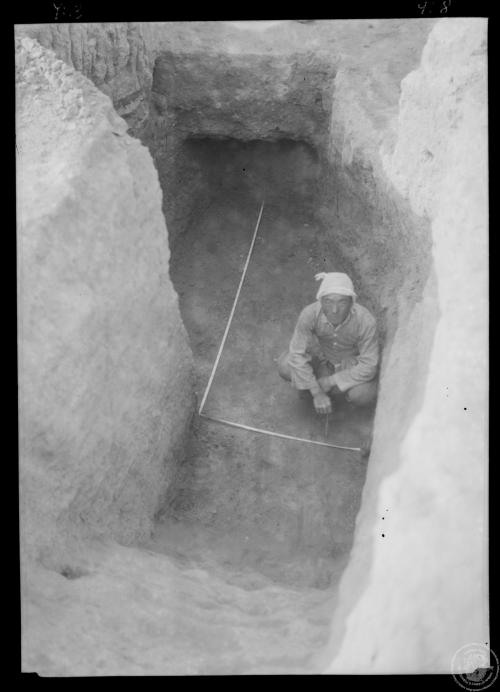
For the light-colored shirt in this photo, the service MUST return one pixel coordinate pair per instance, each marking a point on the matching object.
(352, 347)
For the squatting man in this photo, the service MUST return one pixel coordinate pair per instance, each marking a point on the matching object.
(334, 349)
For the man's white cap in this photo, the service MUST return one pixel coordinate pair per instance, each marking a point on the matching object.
(334, 282)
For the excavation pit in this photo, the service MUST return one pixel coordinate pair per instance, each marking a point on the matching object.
(290, 505)
(207, 549)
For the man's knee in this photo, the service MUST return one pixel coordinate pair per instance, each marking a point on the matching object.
(283, 367)
(362, 394)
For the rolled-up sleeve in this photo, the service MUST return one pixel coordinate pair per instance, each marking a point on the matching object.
(364, 367)
(299, 355)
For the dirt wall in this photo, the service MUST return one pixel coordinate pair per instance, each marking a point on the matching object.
(242, 97)
(117, 57)
(246, 80)
(104, 365)
(415, 588)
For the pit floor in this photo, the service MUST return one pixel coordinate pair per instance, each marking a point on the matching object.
(272, 517)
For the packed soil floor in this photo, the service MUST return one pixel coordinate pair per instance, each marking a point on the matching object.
(273, 518)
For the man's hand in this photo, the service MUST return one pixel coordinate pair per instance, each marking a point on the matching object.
(325, 383)
(322, 403)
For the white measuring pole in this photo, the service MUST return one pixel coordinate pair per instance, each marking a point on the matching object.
(283, 436)
(232, 313)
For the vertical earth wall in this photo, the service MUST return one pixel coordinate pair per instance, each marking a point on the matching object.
(415, 588)
(104, 364)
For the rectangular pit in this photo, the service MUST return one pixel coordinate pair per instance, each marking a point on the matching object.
(290, 506)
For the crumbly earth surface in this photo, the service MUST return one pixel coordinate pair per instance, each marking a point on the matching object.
(134, 611)
(104, 364)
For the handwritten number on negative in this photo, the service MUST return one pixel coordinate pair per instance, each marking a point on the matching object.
(445, 4)
(67, 10)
